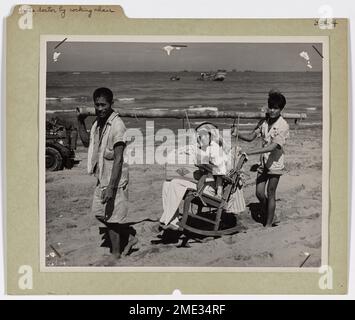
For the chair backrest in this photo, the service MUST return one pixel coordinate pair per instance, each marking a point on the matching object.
(242, 159)
(234, 174)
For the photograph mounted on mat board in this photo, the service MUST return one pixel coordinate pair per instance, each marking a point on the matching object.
(167, 155)
(263, 105)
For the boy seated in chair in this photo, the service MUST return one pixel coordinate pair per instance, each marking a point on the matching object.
(209, 155)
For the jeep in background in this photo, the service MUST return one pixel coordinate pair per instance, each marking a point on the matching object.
(60, 145)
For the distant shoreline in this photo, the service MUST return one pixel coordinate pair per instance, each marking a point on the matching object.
(174, 71)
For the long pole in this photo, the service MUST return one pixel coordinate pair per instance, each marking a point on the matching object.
(191, 113)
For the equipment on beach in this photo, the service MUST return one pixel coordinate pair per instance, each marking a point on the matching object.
(60, 146)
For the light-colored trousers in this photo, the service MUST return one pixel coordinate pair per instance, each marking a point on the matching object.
(174, 191)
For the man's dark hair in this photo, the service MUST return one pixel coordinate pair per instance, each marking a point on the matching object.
(276, 99)
(103, 92)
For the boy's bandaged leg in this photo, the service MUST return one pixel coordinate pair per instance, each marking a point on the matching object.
(236, 203)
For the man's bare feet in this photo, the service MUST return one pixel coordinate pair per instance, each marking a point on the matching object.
(109, 261)
(116, 255)
(133, 241)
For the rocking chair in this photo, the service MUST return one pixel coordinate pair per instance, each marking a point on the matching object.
(203, 213)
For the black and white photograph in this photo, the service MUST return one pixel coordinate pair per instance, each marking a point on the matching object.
(184, 152)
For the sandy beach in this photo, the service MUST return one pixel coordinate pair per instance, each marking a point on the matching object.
(73, 238)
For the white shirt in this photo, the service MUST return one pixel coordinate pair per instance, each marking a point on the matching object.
(101, 150)
(214, 154)
(278, 133)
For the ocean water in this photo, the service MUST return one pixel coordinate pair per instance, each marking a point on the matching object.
(241, 91)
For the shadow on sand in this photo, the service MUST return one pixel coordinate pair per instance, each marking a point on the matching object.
(256, 212)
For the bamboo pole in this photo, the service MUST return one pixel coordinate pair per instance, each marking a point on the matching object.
(192, 113)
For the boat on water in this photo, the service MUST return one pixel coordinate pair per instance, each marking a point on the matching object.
(126, 100)
(220, 75)
(174, 78)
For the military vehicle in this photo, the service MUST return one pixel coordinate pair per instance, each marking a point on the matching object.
(60, 145)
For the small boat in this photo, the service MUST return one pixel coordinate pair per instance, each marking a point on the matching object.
(126, 100)
(174, 78)
(220, 75)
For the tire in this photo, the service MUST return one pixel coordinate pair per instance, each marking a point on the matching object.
(69, 164)
(54, 160)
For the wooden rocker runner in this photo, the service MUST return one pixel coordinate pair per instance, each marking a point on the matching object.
(203, 213)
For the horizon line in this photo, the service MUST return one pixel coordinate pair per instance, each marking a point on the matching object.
(187, 71)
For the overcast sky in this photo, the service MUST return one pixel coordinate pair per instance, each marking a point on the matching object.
(119, 56)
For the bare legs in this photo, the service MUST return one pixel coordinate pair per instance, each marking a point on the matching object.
(268, 202)
(271, 195)
(115, 242)
(117, 233)
(132, 240)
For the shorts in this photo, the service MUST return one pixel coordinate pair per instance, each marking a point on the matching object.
(263, 170)
(113, 211)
